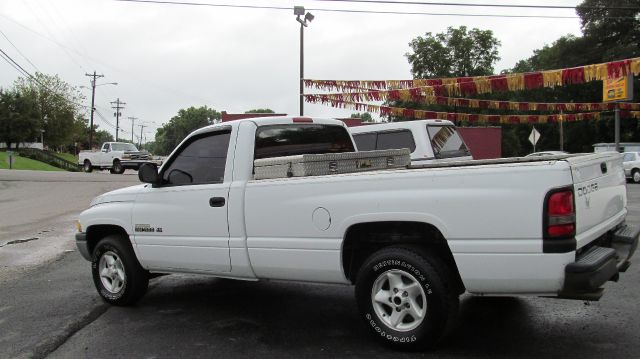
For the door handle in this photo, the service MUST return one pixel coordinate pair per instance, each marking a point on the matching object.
(216, 201)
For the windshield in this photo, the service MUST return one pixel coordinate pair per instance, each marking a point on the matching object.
(446, 142)
(129, 147)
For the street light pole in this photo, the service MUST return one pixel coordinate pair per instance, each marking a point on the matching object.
(304, 22)
(301, 69)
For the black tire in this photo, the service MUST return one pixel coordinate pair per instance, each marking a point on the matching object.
(635, 176)
(127, 290)
(86, 166)
(439, 304)
(117, 168)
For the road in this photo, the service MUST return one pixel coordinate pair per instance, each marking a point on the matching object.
(52, 310)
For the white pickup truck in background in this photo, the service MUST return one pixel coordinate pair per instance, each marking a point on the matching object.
(114, 156)
(631, 164)
(430, 141)
(412, 240)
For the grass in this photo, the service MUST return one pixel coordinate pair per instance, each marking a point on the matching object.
(67, 156)
(22, 163)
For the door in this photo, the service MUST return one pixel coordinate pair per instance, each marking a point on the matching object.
(182, 224)
(104, 155)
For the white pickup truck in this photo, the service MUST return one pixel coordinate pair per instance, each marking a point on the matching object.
(115, 156)
(411, 240)
(631, 164)
(430, 141)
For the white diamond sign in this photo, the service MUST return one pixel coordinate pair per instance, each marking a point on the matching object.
(534, 136)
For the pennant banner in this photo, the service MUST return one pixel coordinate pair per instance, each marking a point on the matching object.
(471, 118)
(486, 84)
(417, 96)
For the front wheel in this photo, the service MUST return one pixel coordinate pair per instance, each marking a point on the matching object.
(635, 176)
(118, 168)
(117, 274)
(405, 301)
(86, 166)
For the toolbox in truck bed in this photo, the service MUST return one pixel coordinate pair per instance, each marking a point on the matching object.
(330, 163)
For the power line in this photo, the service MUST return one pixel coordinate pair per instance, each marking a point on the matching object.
(145, 83)
(21, 69)
(386, 2)
(346, 10)
(20, 52)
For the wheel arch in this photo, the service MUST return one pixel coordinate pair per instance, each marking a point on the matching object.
(97, 232)
(363, 239)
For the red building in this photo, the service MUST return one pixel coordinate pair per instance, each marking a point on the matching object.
(483, 142)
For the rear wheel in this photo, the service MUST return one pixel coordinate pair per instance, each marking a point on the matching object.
(405, 298)
(117, 274)
(635, 176)
(86, 166)
(117, 168)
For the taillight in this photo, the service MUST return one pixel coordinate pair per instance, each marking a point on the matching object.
(302, 120)
(560, 214)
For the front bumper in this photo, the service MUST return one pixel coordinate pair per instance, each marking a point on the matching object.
(599, 264)
(135, 164)
(83, 246)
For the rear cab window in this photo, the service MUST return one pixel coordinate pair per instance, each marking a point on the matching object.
(446, 142)
(385, 140)
(298, 139)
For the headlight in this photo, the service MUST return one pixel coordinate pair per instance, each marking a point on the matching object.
(78, 226)
(126, 157)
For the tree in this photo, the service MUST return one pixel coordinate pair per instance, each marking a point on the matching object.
(102, 136)
(457, 52)
(187, 120)
(365, 116)
(18, 117)
(260, 110)
(56, 103)
(612, 26)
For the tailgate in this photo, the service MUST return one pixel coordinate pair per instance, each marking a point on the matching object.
(600, 194)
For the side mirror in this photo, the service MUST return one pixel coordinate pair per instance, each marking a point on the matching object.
(105, 150)
(148, 173)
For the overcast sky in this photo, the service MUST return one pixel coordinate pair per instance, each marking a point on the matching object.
(168, 57)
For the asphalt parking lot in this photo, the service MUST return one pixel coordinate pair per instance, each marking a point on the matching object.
(52, 310)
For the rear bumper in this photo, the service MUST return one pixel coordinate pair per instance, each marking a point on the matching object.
(599, 264)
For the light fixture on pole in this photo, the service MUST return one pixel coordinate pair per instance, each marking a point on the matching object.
(304, 22)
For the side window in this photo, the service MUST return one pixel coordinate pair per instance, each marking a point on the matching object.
(105, 147)
(365, 141)
(201, 160)
(395, 140)
(628, 157)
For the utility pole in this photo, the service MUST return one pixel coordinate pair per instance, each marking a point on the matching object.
(94, 76)
(117, 107)
(617, 127)
(133, 119)
(561, 131)
(141, 127)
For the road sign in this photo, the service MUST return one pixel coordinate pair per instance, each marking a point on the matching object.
(619, 89)
(534, 136)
